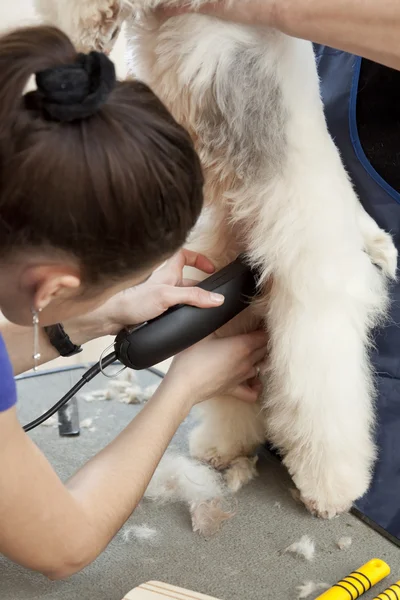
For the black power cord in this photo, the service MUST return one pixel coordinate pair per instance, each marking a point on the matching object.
(86, 377)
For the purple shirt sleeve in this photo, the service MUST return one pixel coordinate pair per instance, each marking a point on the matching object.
(8, 391)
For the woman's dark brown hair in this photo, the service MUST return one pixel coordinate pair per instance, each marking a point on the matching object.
(118, 190)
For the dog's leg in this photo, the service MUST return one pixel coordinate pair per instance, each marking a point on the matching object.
(325, 298)
(229, 431)
(227, 438)
(319, 404)
(378, 244)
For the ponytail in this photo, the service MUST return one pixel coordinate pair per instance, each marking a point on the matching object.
(95, 168)
(23, 53)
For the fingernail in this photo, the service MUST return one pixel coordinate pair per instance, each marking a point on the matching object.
(217, 298)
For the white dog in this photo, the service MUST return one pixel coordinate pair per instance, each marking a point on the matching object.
(277, 190)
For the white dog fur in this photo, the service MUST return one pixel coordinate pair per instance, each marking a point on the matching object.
(277, 190)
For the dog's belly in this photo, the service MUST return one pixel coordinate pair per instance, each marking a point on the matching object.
(191, 63)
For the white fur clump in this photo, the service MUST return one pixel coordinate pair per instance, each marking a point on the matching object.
(136, 395)
(182, 479)
(86, 423)
(344, 543)
(305, 548)
(309, 587)
(50, 422)
(125, 389)
(95, 395)
(131, 395)
(139, 532)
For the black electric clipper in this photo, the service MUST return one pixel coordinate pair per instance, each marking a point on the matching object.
(182, 326)
(172, 332)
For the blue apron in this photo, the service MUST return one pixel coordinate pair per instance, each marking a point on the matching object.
(340, 73)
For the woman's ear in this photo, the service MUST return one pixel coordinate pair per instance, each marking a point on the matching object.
(47, 283)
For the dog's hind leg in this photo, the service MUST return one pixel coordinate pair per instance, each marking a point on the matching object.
(326, 297)
(378, 244)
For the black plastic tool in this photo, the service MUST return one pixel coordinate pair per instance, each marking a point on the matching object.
(177, 329)
(182, 326)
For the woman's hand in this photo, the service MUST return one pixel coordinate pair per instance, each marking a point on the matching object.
(219, 366)
(165, 288)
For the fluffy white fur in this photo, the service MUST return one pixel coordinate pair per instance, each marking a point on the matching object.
(139, 532)
(305, 548)
(276, 189)
(309, 587)
(344, 543)
(181, 479)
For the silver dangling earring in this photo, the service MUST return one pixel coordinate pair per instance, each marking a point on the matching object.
(36, 350)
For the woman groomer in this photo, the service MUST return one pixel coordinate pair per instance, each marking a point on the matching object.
(98, 187)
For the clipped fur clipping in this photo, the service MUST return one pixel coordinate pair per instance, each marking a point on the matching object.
(182, 479)
(309, 588)
(344, 543)
(125, 388)
(143, 533)
(304, 548)
(208, 517)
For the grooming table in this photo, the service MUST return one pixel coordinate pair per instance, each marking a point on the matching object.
(155, 590)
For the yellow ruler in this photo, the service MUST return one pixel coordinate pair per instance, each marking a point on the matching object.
(155, 590)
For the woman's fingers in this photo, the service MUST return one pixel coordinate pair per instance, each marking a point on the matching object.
(247, 392)
(170, 273)
(195, 260)
(259, 355)
(254, 341)
(193, 296)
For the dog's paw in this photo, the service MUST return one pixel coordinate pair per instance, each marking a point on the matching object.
(382, 251)
(240, 472)
(211, 456)
(329, 486)
(202, 447)
(325, 510)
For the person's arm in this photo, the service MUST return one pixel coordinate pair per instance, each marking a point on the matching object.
(364, 27)
(57, 529)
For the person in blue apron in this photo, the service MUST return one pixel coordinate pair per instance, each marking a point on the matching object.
(362, 100)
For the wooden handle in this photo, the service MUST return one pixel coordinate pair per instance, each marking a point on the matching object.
(155, 590)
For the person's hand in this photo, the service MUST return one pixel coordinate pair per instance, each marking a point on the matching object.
(248, 12)
(220, 366)
(165, 288)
